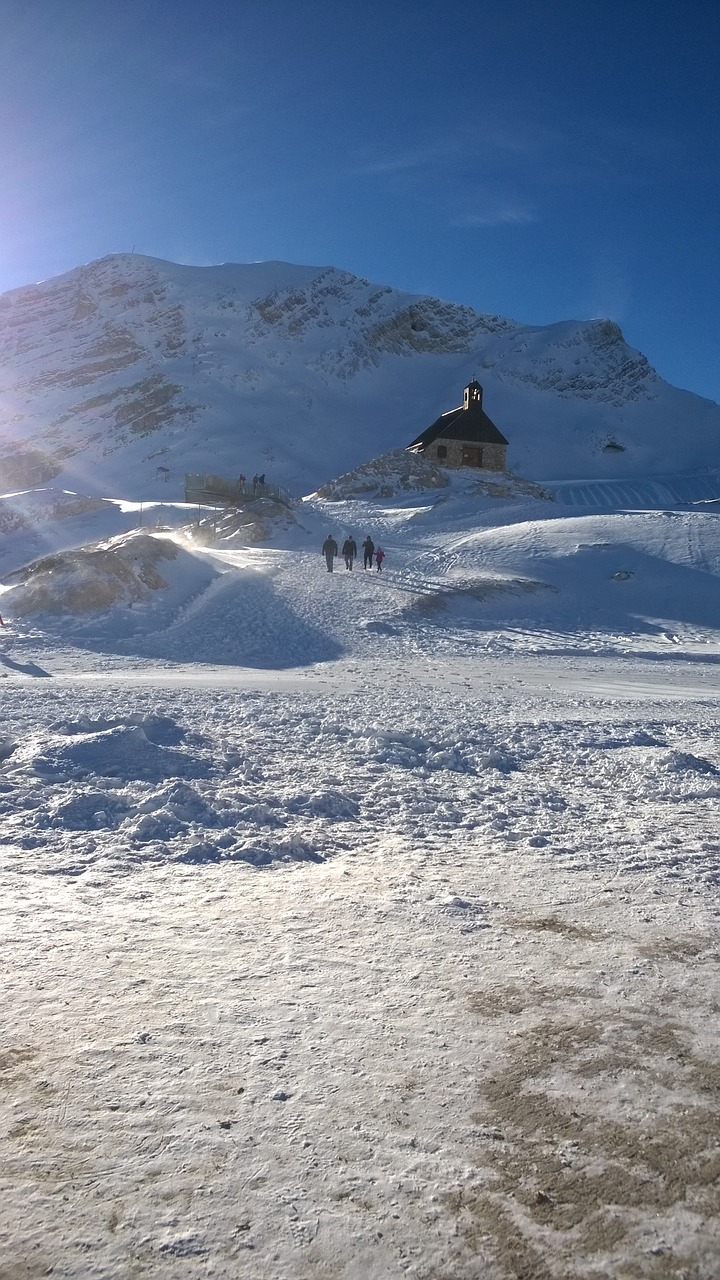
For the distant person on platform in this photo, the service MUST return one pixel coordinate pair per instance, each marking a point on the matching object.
(255, 482)
(241, 483)
(329, 550)
(261, 481)
(379, 557)
(349, 552)
(368, 551)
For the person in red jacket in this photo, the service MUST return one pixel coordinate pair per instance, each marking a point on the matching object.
(379, 557)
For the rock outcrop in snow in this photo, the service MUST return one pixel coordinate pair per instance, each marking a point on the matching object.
(398, 473)
(394, 472)
(125, 570)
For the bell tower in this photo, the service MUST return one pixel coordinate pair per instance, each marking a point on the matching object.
(473, 395)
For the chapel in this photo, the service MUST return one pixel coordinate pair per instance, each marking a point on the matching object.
(464, 437)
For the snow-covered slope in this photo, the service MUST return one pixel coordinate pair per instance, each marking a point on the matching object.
(360, 924)
(132, 364)
(364, 923)
(469, 562)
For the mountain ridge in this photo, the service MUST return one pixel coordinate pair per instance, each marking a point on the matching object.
(130, 364)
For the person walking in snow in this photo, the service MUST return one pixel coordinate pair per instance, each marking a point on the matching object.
(255, 482)
(329, 550)
(368, 551)
(349, 551)
(379, 557)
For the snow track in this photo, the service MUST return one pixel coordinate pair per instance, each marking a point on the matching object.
(660, 491)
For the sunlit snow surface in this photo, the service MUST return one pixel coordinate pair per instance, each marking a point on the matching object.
(365, 925)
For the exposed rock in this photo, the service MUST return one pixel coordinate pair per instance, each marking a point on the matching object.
(255, 521)
(90, 579)
(396, 471)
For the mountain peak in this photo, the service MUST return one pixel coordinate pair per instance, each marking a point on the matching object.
(131, 363)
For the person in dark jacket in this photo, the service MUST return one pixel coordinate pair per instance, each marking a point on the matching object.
(349, 551)
(329, 550)
(368, 550)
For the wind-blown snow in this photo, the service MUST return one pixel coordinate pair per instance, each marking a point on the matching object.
(360, 924)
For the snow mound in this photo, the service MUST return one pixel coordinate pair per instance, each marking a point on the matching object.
(163, 731)
(468, 598)
(121, 571)
(43, 506)
(133, 749)
(626, 570)
(122, 752)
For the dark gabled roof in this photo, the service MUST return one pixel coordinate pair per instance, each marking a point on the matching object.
(471, 424)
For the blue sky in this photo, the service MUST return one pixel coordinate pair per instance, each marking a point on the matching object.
(543, 161)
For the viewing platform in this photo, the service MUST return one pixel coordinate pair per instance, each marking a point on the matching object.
(209, 490)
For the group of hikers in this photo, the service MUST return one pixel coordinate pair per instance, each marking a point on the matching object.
(257, 483)
(349, 552)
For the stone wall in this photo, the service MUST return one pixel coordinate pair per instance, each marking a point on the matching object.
(491, 456)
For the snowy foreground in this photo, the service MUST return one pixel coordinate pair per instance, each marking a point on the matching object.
(366, 925)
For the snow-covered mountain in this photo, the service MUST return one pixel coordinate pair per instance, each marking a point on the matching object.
(131, 364)
(359, 922)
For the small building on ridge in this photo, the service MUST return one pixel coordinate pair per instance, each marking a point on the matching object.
(464, 437)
